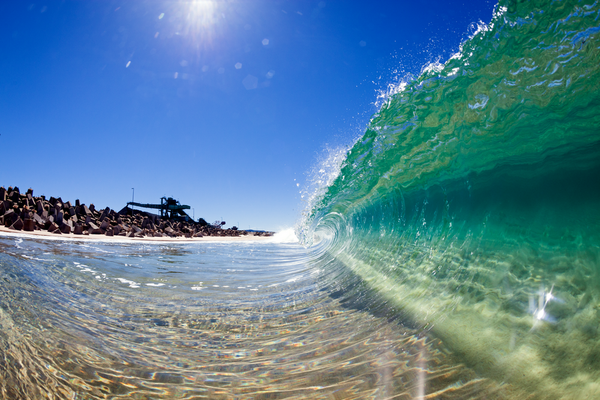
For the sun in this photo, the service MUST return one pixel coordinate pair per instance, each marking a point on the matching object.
(203, 13)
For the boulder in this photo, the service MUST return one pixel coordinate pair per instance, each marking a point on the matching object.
(52, 227)
(109, 232)
(78, 229)
(105, 224)
(14, 196)
(95, 229)
(65, 228)
(29, 225)
(9, 218)
(104, 214)
(17, 224)
(39, 206)
(38, 220)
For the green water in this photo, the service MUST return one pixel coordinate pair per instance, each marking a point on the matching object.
(471, 205)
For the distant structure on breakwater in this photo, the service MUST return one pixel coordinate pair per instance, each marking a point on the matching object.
(169, 208)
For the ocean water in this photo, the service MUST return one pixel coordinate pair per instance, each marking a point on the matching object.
(454, 253)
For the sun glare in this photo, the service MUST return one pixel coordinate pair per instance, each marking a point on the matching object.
(202, 20)
(203, 12)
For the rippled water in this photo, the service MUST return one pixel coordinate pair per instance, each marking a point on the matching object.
(216, 320)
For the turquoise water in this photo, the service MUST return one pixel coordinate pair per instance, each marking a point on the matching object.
(472, 202)
(454, 254)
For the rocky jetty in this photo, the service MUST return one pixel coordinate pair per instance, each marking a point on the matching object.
(24, 212)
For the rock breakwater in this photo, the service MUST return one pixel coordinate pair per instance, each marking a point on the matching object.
(25, 212)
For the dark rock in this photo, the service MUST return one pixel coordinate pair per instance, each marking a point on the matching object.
(95, 229)
(14, 196)
(9, 218)
(2, 193)
(78, 229)
(65, 228)
(29, 225)
(77, 203)
(25, 214)
(110, 232)
(59, 217)
(38, 219)
(52, 227)
(18, 224)
(104, 214)
(105, 224)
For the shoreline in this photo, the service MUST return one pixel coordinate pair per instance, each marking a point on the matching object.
(55, 218)
(4, 232)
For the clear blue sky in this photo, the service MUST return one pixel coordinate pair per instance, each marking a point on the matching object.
(224, 105)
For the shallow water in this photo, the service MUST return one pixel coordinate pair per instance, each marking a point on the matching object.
(216, 320)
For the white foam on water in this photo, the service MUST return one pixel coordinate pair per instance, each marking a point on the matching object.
(285, 236)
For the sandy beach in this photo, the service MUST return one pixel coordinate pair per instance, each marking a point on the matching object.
(124, 239)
